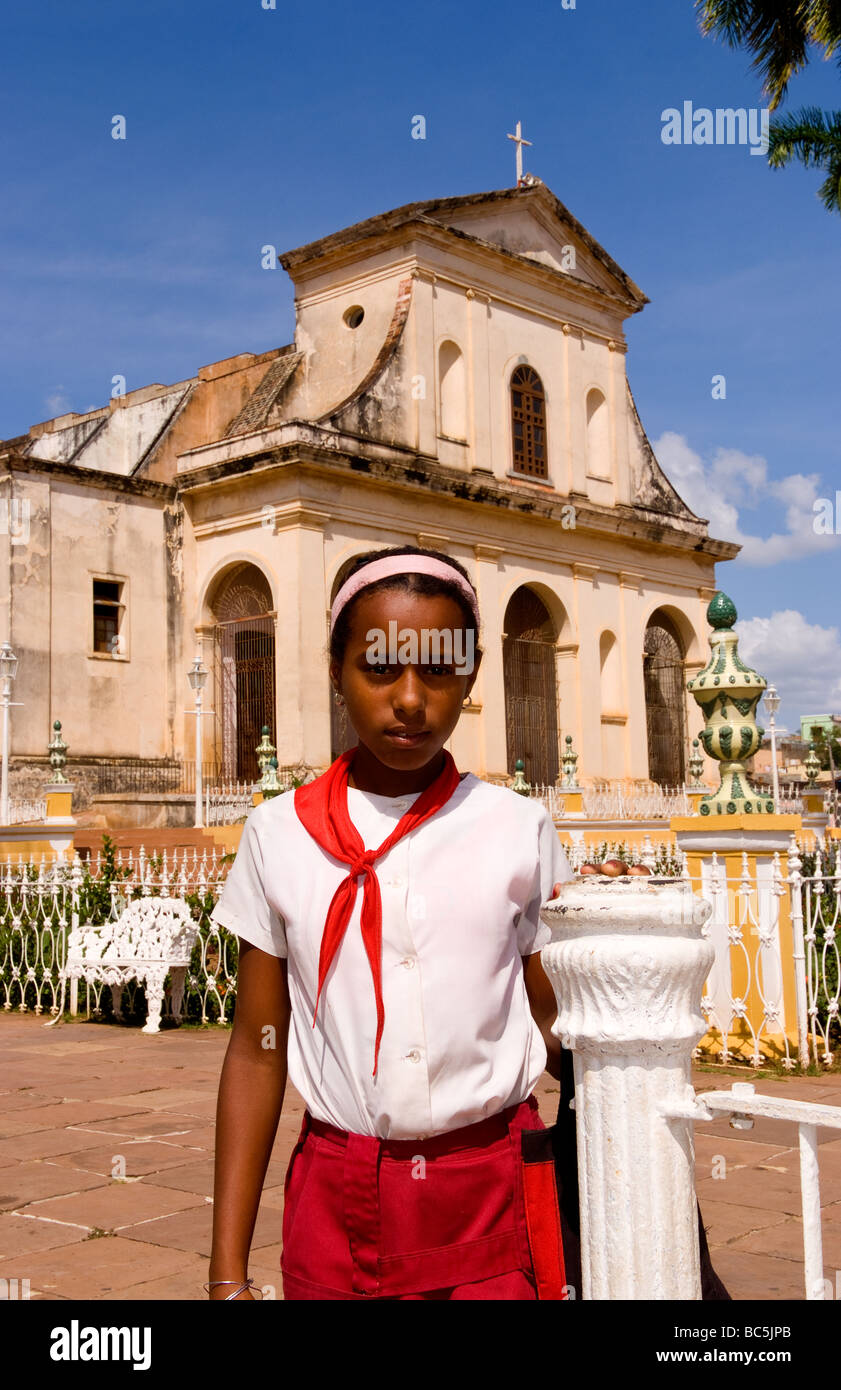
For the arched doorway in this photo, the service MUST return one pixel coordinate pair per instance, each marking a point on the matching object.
(664, 702)
(531, 696)
(244, 664)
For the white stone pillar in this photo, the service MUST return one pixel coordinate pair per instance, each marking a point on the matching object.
(627, 962)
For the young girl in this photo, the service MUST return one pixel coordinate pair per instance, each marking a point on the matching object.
(389, 934)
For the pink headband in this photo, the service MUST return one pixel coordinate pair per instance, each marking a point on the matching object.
(401, 564)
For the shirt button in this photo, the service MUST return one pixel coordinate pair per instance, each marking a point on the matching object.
(413, 1056)
(408, 963)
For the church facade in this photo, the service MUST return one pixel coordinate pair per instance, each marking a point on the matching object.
(457, 380)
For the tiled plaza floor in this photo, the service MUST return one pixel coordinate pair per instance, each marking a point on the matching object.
(106, 1169)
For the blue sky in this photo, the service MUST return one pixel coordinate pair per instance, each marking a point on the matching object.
(248, 126)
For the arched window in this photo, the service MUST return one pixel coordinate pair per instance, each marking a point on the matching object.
(244, 661)
(531, 704)
(665, 685)
(453, 393)
(528, 423)
(598, 435)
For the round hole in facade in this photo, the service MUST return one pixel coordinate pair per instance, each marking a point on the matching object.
(354, 315)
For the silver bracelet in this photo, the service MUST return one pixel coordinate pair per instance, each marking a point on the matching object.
(242, 1286)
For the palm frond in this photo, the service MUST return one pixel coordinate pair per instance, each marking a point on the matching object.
(776, 32)
(813, 138)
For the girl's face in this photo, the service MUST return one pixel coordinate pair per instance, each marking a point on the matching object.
(404, 709)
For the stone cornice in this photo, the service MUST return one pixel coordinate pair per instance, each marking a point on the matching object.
(317, 450)
(14, 462)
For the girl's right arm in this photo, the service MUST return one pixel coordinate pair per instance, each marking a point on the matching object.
(251, 1090)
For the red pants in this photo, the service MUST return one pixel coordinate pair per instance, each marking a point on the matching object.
(439, 1218)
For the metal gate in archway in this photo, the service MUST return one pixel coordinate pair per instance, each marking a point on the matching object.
(244, 665)
(245, 691)
(664, 705)
(531, 697)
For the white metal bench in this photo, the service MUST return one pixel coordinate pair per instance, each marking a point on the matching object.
(151, 938)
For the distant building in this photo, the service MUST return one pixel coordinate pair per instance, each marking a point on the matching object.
(829, 723)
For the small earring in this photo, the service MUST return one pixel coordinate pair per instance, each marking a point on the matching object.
(338, 698)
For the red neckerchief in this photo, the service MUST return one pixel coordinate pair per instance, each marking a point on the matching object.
(321, 807)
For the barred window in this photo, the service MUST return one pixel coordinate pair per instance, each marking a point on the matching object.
(528, 423)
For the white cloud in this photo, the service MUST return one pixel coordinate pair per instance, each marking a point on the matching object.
(801, 658)
(731, 480)
(57, 402)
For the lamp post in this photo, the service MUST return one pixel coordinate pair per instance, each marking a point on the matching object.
(8, 671)
(772, 704)
(197, 677)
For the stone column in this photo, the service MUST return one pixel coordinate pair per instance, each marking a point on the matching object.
(627, 962)
(589, 736)
(490, 683)
(303, 687)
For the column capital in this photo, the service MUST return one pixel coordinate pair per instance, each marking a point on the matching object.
(288, 515)
(488, 552)
(430, 540)
(582, 570)
(628, 964)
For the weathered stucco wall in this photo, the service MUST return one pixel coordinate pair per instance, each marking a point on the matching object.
(108, 705)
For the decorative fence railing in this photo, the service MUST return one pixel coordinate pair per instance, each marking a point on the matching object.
(39, 906)
(148, 776)
(816, 910)
(171, 775)
(552, 798)
(616, 803)
(790, 800)
(768, 926)
(27, 811)
(612, 801)
(228, 804)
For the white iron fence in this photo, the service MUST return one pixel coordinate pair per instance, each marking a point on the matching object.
(227, 804)
(27, 810)
(39, 906)
(552, 799)
(619, 803)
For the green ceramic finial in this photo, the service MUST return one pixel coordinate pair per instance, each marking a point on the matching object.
(728, 693)
(57, 750)
(721, 611)
(520, 784)
(269, 784)
(264, 750)
(812, 765)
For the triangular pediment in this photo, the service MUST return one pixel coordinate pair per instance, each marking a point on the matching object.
(533, 232)
(529, 223)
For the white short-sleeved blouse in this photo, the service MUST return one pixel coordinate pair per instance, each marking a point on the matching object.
(461, 897)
